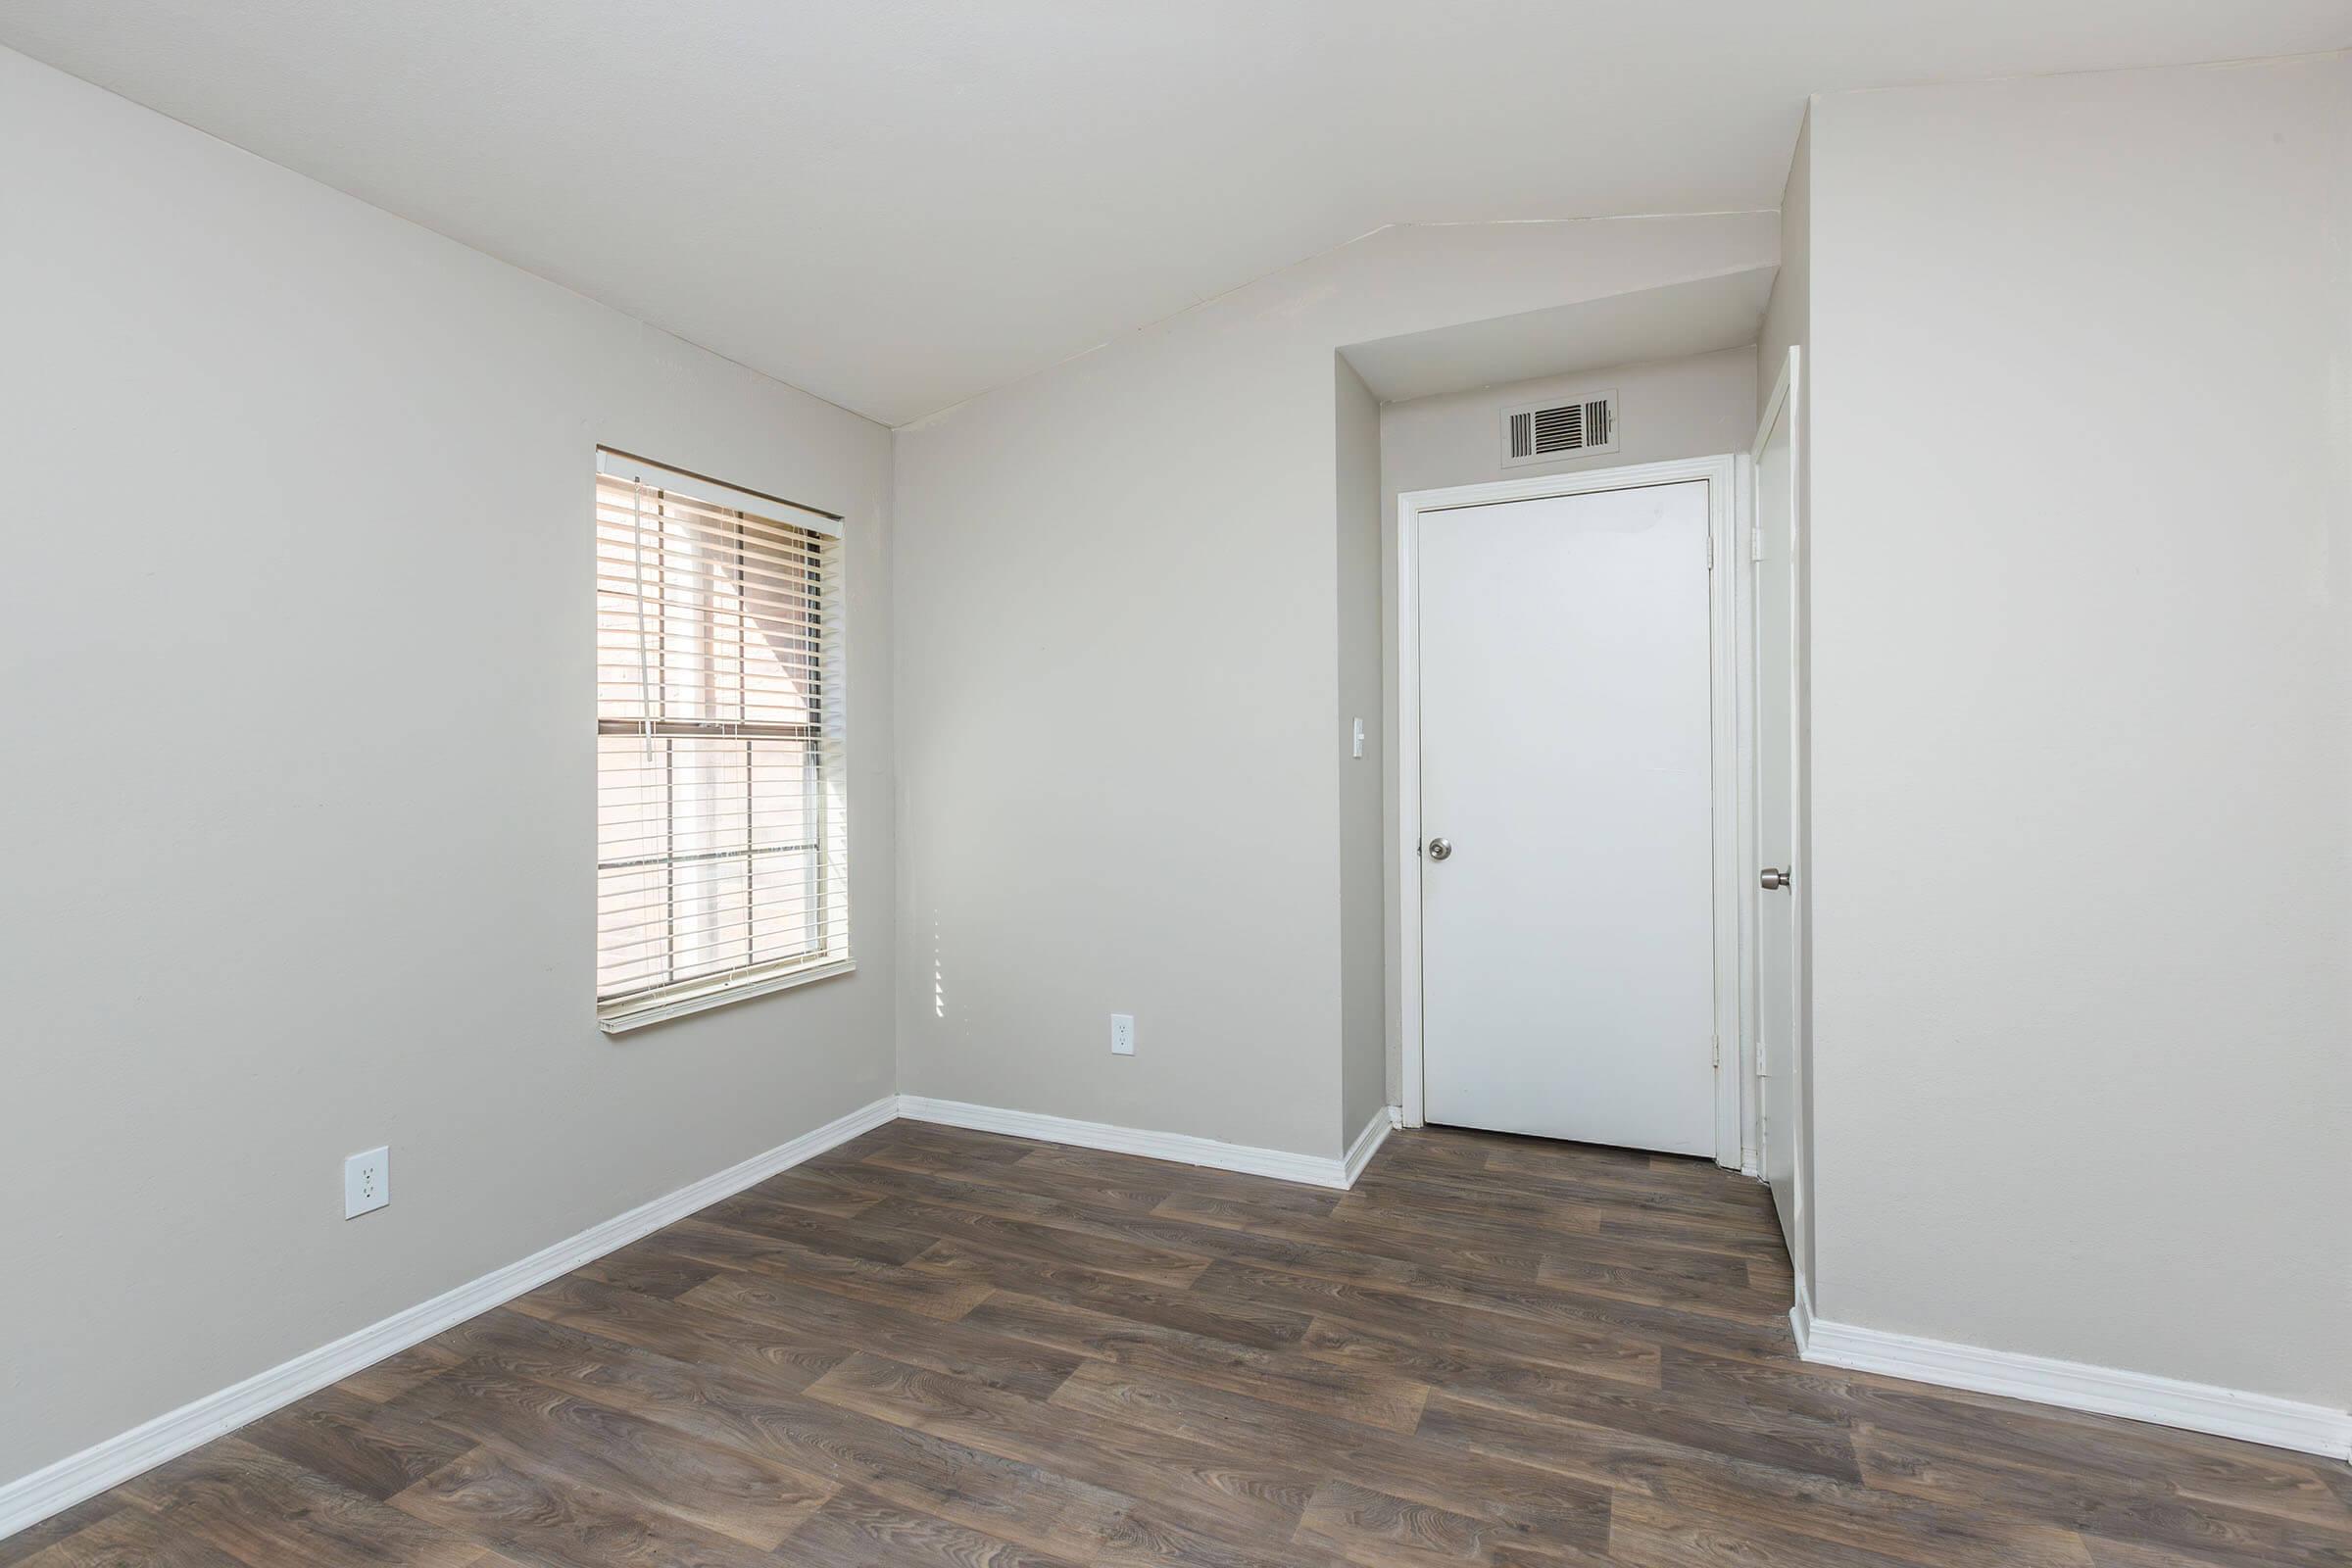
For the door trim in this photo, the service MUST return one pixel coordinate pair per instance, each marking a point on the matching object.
(1787, 397)
(1727, 668)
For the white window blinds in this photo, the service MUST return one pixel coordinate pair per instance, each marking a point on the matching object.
(722, 783)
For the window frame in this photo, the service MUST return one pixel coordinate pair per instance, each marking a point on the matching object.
(822, 739)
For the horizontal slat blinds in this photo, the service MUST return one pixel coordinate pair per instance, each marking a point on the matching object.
(721, 784)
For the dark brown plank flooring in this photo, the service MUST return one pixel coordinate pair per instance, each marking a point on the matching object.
(942, 1347)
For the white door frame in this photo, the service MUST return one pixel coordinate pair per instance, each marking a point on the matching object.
(1727, 666)
(1787, 396)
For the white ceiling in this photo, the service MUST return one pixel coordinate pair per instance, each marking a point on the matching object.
(1699, 317)
(897, 204)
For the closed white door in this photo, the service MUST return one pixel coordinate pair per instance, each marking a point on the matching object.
(1778, 800)
(1567, 924)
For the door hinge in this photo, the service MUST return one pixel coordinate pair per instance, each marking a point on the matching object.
(1719, 1052)
(1761, 1070)
(1755, 544)
(1710, 551)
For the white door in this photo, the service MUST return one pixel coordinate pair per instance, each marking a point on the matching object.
(1779, 812)
(1567, 906)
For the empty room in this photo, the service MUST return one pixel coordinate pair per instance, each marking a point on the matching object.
(1032, 784)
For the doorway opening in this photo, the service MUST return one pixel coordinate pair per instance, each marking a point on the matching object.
(1569, 755)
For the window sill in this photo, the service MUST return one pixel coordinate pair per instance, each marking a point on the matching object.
(665, 1008)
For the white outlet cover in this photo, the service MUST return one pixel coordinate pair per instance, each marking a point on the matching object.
(1122, 1034)
(367, 1182)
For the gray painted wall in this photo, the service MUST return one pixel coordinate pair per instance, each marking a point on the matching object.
(296, 651)
(2082, 719)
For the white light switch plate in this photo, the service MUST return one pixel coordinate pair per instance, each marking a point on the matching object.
(367, 1182)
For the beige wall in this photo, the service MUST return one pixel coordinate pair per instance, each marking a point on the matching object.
(1696, 406)
(1120, 708)
(295, 646)
(2081, 570)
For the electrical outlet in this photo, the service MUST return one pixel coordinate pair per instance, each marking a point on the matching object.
(1122, 1034)
(367, 1182)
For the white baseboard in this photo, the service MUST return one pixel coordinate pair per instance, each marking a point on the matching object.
(2077, 1386)
(1800, 1319)
(1367, 1143)
(1182, 1148)
(31, 1499)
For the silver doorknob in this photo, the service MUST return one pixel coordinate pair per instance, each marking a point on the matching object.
(1774, 879)
(1439, 849)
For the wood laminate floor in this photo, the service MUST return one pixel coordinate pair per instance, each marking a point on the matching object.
(938, 1348)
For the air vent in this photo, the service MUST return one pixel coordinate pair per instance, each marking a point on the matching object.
(1547, 432)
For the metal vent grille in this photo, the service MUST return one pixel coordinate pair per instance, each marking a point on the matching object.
(1543, 433)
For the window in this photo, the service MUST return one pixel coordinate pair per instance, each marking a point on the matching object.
(721, 782)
